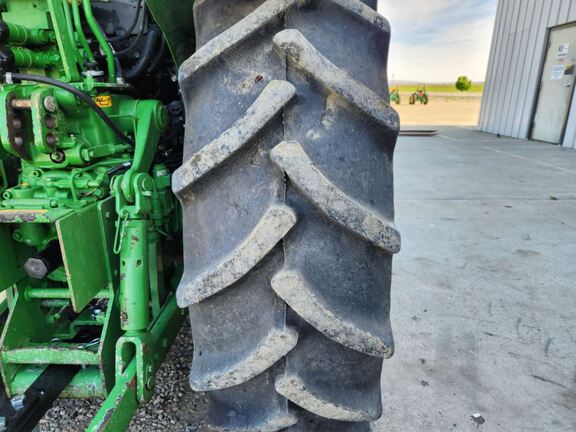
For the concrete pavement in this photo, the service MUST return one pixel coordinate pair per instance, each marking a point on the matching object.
(484, 293)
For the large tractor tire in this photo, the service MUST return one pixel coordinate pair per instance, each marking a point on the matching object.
(287, 198)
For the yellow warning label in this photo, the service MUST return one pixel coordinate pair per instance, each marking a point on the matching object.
(103, 101)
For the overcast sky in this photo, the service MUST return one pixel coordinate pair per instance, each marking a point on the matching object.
(439, 40)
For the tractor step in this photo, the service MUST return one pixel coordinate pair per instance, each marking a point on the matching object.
(87, 383)
(62, 354)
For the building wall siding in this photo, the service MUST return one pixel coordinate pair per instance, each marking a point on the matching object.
(518, 48)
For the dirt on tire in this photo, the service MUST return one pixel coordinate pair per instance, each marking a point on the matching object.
(287, 196)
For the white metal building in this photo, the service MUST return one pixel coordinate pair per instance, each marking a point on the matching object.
(531, 74)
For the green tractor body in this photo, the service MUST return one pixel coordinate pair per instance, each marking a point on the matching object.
(395, 96)
(420, 96)
(89, 228)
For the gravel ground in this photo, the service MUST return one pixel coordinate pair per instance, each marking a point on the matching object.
(174, 408)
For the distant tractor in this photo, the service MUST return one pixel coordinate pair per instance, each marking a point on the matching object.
(395, 96)
(419, 95)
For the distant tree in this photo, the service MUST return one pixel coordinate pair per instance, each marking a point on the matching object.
(463, 84)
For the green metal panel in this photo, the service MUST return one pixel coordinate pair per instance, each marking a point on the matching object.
(13, 256)
(176, 20)
(60, 354)
(86, 384)
(27, 13)
(78, 233)
(32, 216)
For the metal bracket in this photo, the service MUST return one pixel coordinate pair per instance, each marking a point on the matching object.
(144, 365)
(133, 373)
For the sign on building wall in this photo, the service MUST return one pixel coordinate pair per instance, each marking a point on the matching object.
(562, 53)
(557, 72)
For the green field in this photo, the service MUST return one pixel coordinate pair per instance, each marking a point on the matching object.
(441, 88)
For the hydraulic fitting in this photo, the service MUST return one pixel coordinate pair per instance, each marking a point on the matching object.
(12, 58)
(20, 35)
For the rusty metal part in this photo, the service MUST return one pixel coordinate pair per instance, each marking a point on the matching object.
(21, 104)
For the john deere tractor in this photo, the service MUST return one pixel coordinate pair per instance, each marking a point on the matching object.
(395, 96)
(230, 159)
(420, 95)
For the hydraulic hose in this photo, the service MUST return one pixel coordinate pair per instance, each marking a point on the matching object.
(79, 94)
(130, 48)
(145, 58)
(97, 31)
(80, 32)
(70, 30)
(159, 57)
(132, 26)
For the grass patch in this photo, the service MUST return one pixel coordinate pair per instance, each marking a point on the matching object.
(441, 88)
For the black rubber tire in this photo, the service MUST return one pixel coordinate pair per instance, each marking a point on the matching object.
(287, 198)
